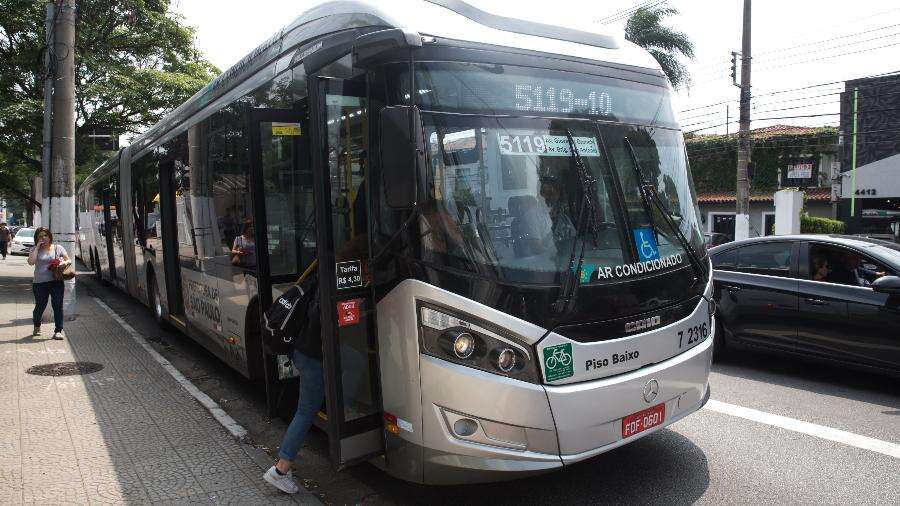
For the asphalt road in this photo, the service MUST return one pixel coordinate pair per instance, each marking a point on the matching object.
(709, 457)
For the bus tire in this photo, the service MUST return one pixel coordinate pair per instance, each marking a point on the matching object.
(98, 272)
(155, 300)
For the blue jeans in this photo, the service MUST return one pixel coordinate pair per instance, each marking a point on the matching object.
(53, 290)
(312, 393)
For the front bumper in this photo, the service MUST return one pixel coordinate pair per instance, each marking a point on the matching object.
(17, 248)
(526, 429)
(589, 415)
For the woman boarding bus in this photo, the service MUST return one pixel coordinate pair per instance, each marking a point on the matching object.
(528, 286)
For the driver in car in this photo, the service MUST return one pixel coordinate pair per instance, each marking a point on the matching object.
(853, 273)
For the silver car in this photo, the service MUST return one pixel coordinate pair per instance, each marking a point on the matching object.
(22, 242)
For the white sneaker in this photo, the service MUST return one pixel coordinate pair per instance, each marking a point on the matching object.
(59, 335)
(283, 482)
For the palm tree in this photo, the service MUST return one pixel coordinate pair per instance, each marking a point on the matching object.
(645, 29)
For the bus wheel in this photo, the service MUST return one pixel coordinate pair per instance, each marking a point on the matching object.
(98, 273)
(156, 303)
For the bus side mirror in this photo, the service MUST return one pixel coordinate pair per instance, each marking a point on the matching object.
(402, 154)
(887, 284)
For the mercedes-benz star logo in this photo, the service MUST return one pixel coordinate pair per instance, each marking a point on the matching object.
(651, 390)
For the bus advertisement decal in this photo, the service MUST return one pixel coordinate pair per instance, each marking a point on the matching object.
(558, 362)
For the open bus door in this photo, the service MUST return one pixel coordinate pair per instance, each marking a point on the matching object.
(283, 218)
(340, 137)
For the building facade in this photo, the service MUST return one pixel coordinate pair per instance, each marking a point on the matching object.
(870, 199)
(782, 156)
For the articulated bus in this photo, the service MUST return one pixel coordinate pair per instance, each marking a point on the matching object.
(511, 273)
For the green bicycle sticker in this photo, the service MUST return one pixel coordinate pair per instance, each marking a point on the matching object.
(558, 363)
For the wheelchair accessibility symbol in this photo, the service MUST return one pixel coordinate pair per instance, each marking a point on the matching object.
(645, 241)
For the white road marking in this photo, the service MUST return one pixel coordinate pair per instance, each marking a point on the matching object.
(811, 429)
(217, 412)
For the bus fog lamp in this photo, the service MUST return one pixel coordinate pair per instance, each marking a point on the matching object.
(463, 345)
(465, 427)
(506, 360)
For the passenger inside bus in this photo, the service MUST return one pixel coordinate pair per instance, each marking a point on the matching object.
(562, 226)
(243, 251)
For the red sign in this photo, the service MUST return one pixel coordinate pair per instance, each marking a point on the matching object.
(348, 312)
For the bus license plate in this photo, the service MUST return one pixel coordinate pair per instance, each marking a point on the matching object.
(643, 420)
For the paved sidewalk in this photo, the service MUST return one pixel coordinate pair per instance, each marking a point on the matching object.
(126, 434)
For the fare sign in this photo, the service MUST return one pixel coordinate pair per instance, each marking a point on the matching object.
(348, 274)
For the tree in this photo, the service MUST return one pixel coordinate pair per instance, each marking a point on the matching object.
(645, 28)
(135, 61)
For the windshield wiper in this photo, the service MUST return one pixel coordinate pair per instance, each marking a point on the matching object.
(648, 195)
(587, 206)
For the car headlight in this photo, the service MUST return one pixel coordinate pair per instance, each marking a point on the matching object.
(467, 341)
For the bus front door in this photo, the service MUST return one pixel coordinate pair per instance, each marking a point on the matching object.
(284, 223)
(352, 391)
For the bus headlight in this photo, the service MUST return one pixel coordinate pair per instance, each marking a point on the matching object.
(470, 342)
(463, 345)
(506, 360)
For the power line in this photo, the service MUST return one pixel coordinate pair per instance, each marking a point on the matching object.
(690, 118)
(707, 106)
(778, 110)
(790, 64)
(840, 25)
(723, 64)
(800, 88)
(830, 39)
(843, 81)
(617, 16)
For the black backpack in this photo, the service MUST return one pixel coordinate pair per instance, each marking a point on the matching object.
(285, 321)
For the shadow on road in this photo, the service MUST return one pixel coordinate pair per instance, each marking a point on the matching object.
(665, 467)
(813, 377)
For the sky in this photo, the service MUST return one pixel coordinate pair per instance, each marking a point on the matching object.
(796, 44)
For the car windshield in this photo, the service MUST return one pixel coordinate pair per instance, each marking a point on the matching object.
(25, 233)
(507, 198)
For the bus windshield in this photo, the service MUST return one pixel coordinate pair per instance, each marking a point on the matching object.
(506, 196)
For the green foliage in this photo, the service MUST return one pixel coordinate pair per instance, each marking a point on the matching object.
(714, 157)
(645, 28)
(813, 225)
(135, 61)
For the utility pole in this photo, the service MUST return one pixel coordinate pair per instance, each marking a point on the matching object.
(62, 162)
(48, 118)
(742, 214)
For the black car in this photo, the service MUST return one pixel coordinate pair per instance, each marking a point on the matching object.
(835, 298)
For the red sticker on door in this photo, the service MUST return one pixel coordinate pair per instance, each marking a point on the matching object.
(348, 312)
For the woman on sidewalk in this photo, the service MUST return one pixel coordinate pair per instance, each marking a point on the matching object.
(45, 257)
